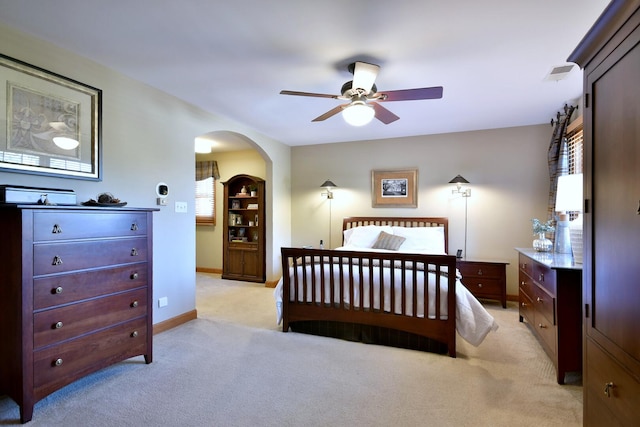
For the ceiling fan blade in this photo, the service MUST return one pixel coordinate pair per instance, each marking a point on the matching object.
(364, 75)
(412, 94)
(384, 115)
(330, 113)
(316, 95)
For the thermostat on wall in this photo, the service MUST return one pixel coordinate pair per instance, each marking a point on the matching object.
(162, 191)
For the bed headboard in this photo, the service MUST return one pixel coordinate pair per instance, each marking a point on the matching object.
(359, 221)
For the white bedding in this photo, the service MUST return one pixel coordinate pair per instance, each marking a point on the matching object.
(473, 322)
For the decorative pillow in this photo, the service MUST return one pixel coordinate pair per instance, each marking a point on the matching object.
(364, 236)
(388, 241)
(428, 240)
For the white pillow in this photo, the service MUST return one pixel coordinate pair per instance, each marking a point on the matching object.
(365, 236)
(428, 240)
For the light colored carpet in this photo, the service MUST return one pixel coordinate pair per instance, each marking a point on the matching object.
(234, 367)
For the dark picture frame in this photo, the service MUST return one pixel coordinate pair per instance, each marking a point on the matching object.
(394, 188)
(38, 106)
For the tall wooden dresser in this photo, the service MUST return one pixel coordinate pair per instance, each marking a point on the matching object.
(610, 56)
(76, 295)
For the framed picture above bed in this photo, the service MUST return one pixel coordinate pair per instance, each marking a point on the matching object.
(394, 188)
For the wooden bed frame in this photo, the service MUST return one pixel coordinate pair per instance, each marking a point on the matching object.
(305, 307)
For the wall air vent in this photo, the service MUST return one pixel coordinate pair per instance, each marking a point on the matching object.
(559, 72)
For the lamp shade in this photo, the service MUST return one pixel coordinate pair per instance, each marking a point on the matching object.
(358, 113)
(569, 193)
(328, 184)
(458, 180)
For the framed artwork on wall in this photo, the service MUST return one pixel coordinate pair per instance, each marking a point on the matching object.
(394, 188)
(50, 124)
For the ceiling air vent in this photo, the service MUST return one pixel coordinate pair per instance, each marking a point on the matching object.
(559, 72)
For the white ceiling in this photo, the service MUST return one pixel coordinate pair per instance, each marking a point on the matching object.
(232, 57)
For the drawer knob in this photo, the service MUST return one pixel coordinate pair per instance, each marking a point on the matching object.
(56, 260)
(134, 227)
(134, 276)
(524, 265)
(479, 285)
(134, 252)
(607, 389)
(134, 304)
(56, 229)
(523, 283)
(479, 272)
(541, 277)
(541, 326)
(57, 290)
(58, 325)
(524, 304)
(57, 362)
(134, 334)
(540, 300)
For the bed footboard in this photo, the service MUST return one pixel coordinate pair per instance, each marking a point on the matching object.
(412, 293)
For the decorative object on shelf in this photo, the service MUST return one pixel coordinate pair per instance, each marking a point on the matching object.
(542, 244)
(328, 185)
(105, 199)
(52, 123)
(253, 190)
(394, 188)
(466, 193)
(243, 190)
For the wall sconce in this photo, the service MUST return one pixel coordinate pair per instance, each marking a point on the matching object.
(466, 193)
(458, 181)
(328, 184)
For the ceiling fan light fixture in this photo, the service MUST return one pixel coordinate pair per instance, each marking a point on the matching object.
(358, 113)
(364, 75)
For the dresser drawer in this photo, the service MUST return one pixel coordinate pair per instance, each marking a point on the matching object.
(545, 277)
(69, 321)
(63, 289)
(547, 332)
(85, 225)
(526, 284)
(525, 265)
(624, 396)
(526, 308)
(59, 365)
(544, 304)
(62, 257)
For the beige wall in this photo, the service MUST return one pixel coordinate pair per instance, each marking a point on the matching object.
(507, 169)
(148, 137)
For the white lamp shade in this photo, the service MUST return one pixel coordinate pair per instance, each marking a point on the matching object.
(358, 114)
(569, 193)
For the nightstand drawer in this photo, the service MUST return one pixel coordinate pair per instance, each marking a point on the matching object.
(485, 279)
(482, 286)
(479, 269)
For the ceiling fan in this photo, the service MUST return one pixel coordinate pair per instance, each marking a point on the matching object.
(364, 98)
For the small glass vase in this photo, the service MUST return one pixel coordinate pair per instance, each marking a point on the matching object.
(542, 244)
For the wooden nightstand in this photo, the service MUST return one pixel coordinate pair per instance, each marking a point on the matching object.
(485, 279)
